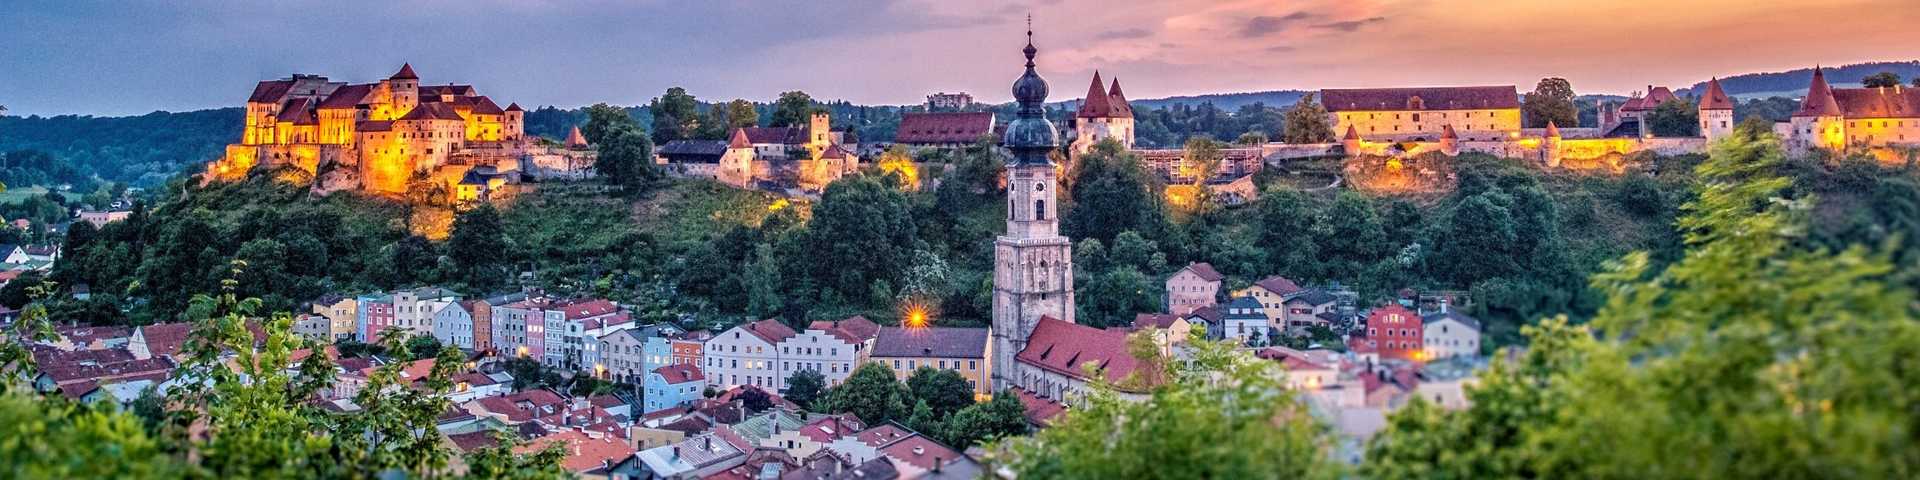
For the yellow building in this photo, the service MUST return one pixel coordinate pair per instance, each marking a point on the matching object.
(963, 350)
(341, 313)
(1272, 293)
(1487, 113)
(1839, 118)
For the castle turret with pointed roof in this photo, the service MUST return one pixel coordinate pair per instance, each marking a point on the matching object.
(1716, 112)
(1104, 114)
(1818, 122)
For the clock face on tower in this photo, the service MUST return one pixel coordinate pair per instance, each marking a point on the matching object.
(1039, 187)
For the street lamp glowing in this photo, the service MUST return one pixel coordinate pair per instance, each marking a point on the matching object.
(916, 316)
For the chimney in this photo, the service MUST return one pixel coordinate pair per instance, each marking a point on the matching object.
(676, 452)
(1443, 305)
(936, 465)
(709, 446)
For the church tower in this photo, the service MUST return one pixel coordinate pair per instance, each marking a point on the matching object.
(1032, 262)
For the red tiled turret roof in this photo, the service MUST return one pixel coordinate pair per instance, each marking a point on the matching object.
(1096, 104)
(1553, 131)
(1446, 132)
(574, 139)
(1352, 134)
(1715, 98)
(514, 107)
(1819, 102)
(739, 139)
(405, 73)
(1118, 101)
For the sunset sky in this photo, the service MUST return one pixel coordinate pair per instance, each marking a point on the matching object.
(129, 57)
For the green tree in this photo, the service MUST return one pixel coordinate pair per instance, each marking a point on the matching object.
(1251, 139)
(944, 391)
(870, 393)
(1550, 101)
(991, 420)
(1307, 122)
(1674, 118)
(626, 159)
(603, 121)
(1114, 296)
(740, 114)
(924, 421)
(1225, 415)
(805, 387)
(52, 438)
(1881, 80)
(501, 461)
(793, 109)
(763, 282)
(479, 248)
(1118, 192)
(862, 232)
(1700, 356)
(676, 115)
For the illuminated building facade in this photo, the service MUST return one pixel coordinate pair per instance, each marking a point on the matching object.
(1840, 118)
(382, 136)
(1484, 113)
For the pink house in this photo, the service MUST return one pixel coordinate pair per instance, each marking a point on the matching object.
(1192, 287)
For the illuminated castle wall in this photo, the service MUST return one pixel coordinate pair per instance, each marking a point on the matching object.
(381, 137)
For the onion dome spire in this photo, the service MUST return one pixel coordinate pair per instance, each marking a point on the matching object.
(1030, 136)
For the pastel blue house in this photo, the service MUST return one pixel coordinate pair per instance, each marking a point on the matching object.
(671, 386)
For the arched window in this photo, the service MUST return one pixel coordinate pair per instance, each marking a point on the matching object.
(1039, 209)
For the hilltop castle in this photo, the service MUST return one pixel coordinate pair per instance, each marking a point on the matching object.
(393, 136)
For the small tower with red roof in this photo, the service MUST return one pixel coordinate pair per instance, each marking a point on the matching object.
(1716, 112)
(1818, 124)
(1550, 149)
(1104, 114)
(405, 87)
(736, 165)
(1449, 140)
(516, 123)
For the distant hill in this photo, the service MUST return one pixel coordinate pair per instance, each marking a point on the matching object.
(1223, 101)
(141, 150)
(1793, 83)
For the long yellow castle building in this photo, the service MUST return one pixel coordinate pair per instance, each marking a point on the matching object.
(389, 136)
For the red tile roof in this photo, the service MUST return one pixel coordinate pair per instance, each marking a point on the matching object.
(1205, 271)
(1352, 134)
(855, 329)
(165, 338)
(678, 374)
(943, 127)
(1097, 104)
(770, 330)
(405, 73)
(514, 107)
(882, 435)
(375, 126)
(1819, 101)
(1066, 347)
(775, 135)
(1278, 285)
(295, 111)
(1553, 130)
(588, 308)
(448, 89)
(270, 91)
(836, 152)
(1715, 98)
(584, 451)
(1153, 320)
(536, 403)
(1446, 132)
(1898, 102)
(77, 372)
(1118, 101)
(1655, 97)
(1428, 98)
(829, 428)
(1040, 411)
(739, 139)
(469, 441)
(919, 451)
(574, 139)
(347, 96)
(485, 106)
(432, 111)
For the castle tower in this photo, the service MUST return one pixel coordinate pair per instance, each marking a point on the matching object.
(1450, 141)
(406, 90)
(1550, 149)
(1716, 112)
(1032, 262)
(516, 123)
(1351, 141)
(1817, 124)
(736, 165)
(819, 132)
(1104, 114)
